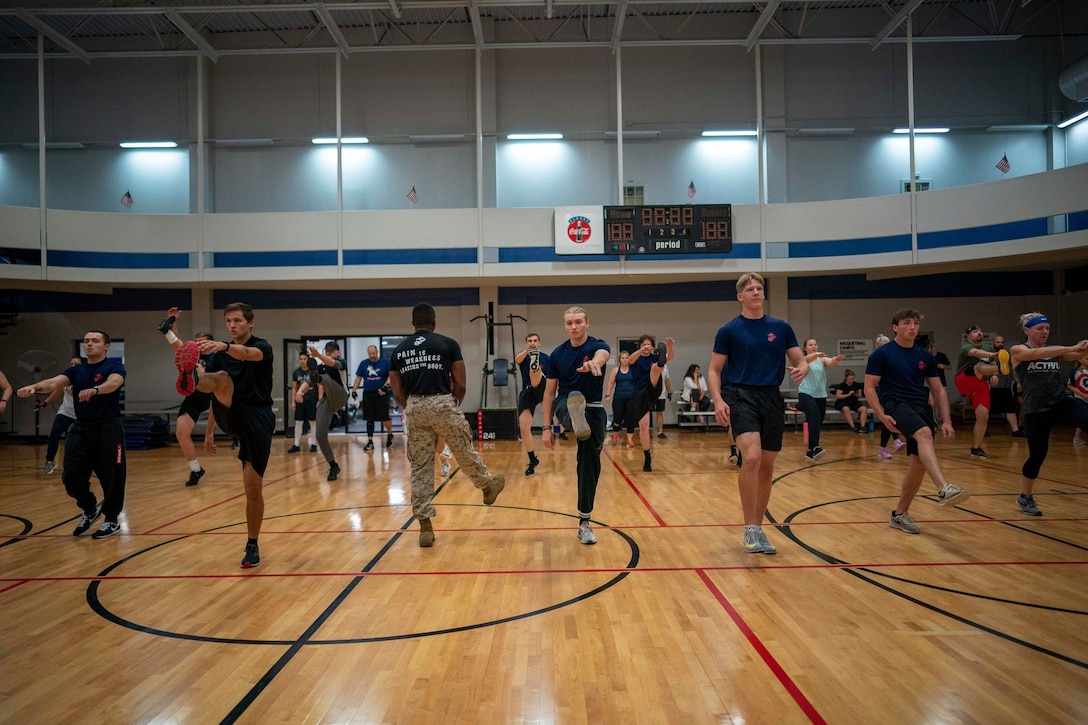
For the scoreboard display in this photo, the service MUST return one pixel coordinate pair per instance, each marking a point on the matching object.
(690, 229)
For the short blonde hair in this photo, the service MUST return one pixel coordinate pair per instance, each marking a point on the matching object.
(1027, 317)
(576, 310)
(747, 277)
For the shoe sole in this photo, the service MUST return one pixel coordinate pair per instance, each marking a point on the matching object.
(980, 455)
(1003, 362)
(956, 499)
(576, 406)
(99, 535)
(185, 361)
(819, 454)
(250, 565)
(498, 483)
(897, 527)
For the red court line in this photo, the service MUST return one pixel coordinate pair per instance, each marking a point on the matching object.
(791, 687)
(623, 474)
(265, 484)
(17, 583)
(604, 571)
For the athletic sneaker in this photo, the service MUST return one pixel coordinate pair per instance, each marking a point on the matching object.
(1003, 362)
(818, 452)
(294, 449)
(904, 522)
(85, 522)
(585, 534)
(49, 467)
(185, 360)
(768, 548)
(576, 406)
(883, 454)
(369, 446)
(108, 528)
(951, 494)
(752, 544)
(1027, 505)
(389, 441)
(662, 353)
(533, 463)
(334, 471)
(899, 445)
(979, 453)
(493, 488)
(446, 452)
(252, 557)
(733, 457)
(194, 477)
(167, 324)
(810, 455)
(534, 358)
(563, 435)
(662, 435)
(1077, 441)
(1019, 433)
(445, 468)
(313, 448)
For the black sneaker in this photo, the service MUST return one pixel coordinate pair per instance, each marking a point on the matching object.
(662, 353)
(662, 435)
(979, 453)
(294, 449)
(534, 358)
(108, 528)
(167, 324)
(313, 448)
(252, 557)
(334, 471)
(369, 446)
(533, 463)
(389, 441)
(85, 522)
(646, 466)
(563, 435)
(194, 477)
(1019, 433)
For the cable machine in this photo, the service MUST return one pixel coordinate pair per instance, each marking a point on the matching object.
(503, 369)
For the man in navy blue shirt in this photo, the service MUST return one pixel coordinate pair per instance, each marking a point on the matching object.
(96, 441)
(575, 374)
(373, 373)
(898, 380)
(532, 363)
(755, 346)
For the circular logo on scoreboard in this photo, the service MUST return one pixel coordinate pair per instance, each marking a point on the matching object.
(578, 229)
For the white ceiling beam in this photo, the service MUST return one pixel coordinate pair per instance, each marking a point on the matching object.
(53, 34)
(191, 33)
(477, 24)
(395, 8)
(757, 30)
(333, 28)
(894, 23)
(617, 30)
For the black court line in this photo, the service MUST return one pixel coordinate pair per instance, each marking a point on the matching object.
(866, 575)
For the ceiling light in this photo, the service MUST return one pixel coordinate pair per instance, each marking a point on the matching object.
(1074, 119)
(149, 144)
(346, 140)
(534, 136)
(933, 129)
(729, 133)
(1019, 127)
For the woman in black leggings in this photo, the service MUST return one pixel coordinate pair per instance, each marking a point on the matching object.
(1046, 399)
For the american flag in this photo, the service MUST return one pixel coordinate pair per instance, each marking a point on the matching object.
(413, 196)
(1003, 164)
(691, 189)
(127, 199)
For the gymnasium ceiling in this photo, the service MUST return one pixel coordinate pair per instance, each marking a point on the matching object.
(134, 28)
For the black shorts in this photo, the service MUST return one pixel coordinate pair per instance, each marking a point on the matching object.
(757, 410)
(307, 409)
(531, 397)
(252, 426)
(1002, 401)
(852, 404)
(658, 405)
(646, 398)
(375, 406)
(910, 417)
(195, 404)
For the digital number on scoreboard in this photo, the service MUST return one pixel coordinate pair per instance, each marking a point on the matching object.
(692, 229)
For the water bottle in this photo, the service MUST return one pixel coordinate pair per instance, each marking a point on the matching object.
(871, 426)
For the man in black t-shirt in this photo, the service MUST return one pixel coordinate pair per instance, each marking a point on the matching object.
(427, 373)
(327, 371)
(239, 377)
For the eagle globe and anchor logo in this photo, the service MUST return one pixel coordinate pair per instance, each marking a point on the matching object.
(579, 230)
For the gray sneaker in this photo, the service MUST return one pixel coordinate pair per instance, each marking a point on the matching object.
(904, 523)
(767, 547)
(752, 544)
(493, 488)
(49, 467)
(1027, 505)
(576, 406)
(951, 494)
(585, 534)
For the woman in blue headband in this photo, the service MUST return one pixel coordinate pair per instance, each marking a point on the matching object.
(1046, 399)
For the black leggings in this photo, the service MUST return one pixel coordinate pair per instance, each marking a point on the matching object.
(624, 414)
(814, 410)
(1037, 426)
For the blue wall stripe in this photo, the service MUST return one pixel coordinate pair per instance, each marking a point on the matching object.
(319, 258)
(1078, 220)
(122, 299)
(118, 260)
(975, 284)
(271, 299)
(514, 255)
(850, 247)
(619, 294)
(984, 235)
(409, 256)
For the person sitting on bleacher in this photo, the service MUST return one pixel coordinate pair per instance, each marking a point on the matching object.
(695, 390)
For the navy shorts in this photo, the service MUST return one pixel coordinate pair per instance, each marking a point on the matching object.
(757, 410)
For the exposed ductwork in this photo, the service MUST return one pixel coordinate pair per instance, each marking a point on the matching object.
(1074, 80)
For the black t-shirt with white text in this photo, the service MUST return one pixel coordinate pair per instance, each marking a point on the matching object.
(425, 361)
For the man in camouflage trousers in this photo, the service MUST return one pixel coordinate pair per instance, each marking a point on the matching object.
(427, 374)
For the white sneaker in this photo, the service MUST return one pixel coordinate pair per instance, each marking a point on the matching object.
(446, 452)
(951, 494)
(576, 406)
(445, 468)
(585, 534)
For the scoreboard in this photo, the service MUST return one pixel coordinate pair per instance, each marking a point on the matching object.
(685, 229)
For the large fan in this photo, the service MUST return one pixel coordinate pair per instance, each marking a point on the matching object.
(30, 367)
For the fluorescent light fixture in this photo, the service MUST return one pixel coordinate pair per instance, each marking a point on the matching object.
(437, 138)
(534, 136)
(931, 129)
(50, 145)
(633, 134)
(844, 131)
(345, 140)
(243, 142)
(1019, 127)
(1074, 119)
(711, 134)
(149, 144)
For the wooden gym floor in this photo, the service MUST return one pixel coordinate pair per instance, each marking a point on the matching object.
(509, 619)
